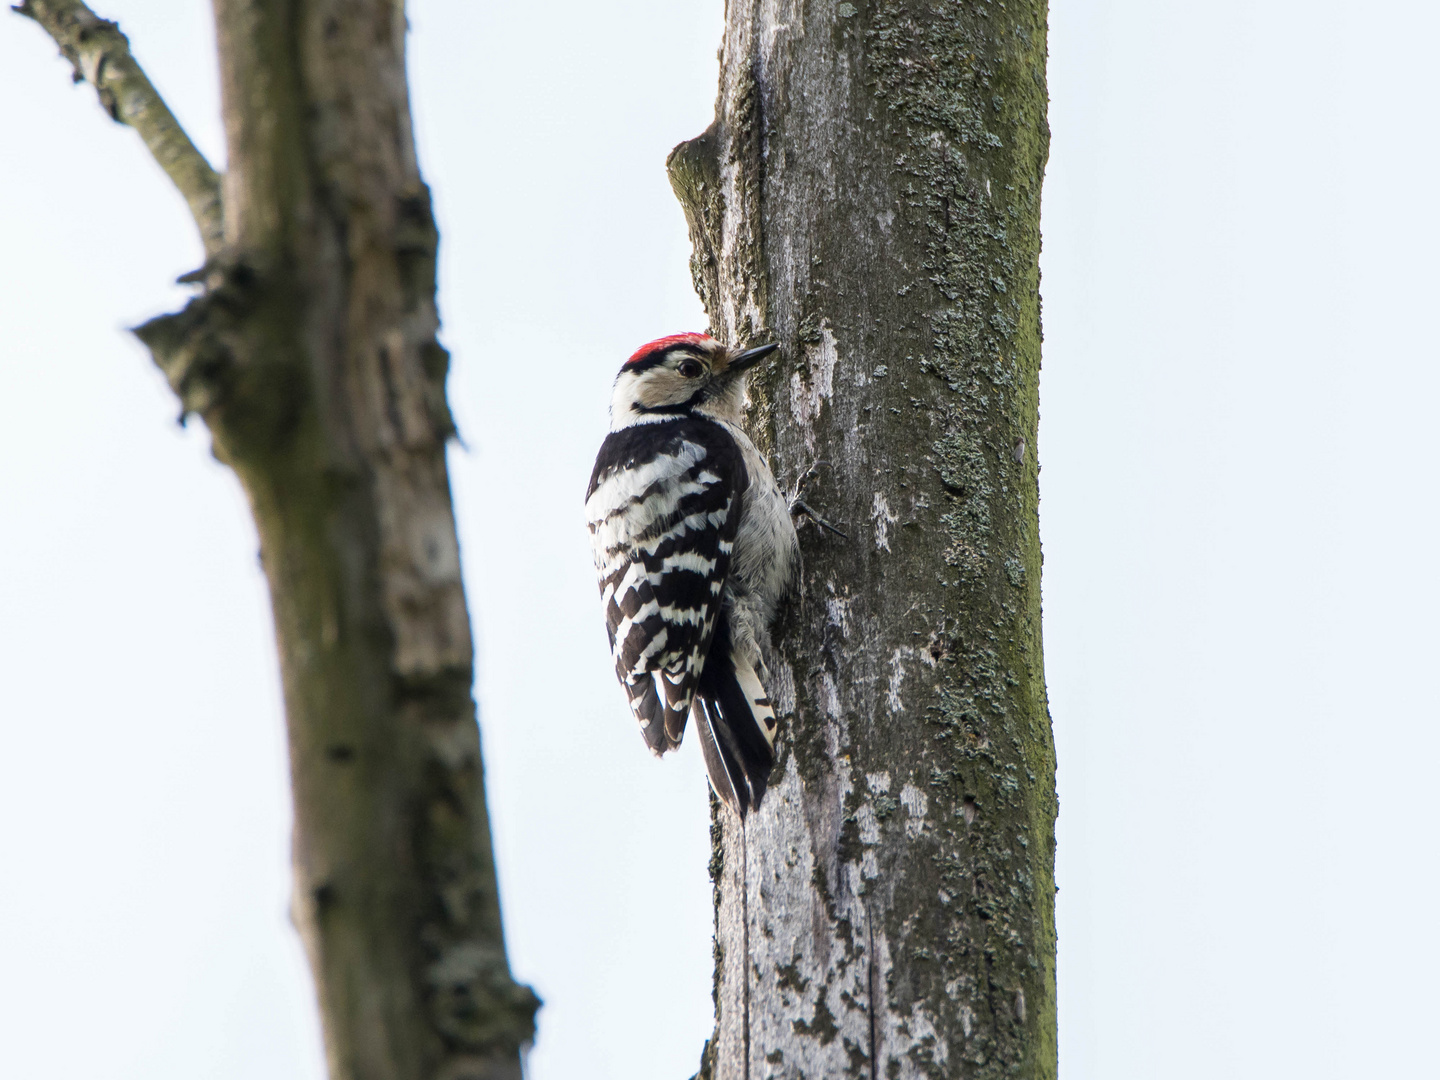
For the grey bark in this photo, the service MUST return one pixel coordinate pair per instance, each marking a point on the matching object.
(869, 196)
(311, 354)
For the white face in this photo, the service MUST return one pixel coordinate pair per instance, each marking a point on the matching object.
(686, 375)
(674, 380)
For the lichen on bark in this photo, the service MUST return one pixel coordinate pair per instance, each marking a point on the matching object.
(869, 195)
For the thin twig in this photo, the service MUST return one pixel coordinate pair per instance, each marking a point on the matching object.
(100, 55)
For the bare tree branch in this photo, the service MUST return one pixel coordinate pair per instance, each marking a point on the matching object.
(311, 355)
(101, 56)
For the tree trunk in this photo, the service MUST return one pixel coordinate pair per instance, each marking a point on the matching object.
(869, 196)
(311, 355)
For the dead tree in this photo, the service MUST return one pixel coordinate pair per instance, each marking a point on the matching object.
(310, 353)
(869, 196)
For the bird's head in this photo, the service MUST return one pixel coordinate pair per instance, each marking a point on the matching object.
(682, 375)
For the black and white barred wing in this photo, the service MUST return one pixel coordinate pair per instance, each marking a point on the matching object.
(663, 509)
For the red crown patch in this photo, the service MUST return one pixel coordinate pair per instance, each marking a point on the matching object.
(660, 345)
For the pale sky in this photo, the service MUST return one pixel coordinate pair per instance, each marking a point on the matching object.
(1239, 454)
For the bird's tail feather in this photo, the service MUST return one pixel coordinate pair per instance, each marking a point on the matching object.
(661, 724)
(737, 728)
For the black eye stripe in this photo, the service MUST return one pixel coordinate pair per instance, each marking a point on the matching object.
(657, 358)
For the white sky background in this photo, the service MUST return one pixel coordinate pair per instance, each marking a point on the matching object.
(1239, 448)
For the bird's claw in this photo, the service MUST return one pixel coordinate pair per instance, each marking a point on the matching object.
(799, 506)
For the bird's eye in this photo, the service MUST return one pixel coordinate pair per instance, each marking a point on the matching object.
(691, 369)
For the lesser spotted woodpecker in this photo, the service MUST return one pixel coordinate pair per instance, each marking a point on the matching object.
(694, 549)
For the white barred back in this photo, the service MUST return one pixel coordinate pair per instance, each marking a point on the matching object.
(663, 511)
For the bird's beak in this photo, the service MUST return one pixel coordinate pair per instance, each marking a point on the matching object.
(749, 358)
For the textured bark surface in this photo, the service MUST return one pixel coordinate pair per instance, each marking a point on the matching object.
(310, 353)
(869, 196)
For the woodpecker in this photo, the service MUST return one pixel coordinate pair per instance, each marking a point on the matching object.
(695, 549)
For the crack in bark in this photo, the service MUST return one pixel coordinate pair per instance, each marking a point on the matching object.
(874, 1021)
(746, 962)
